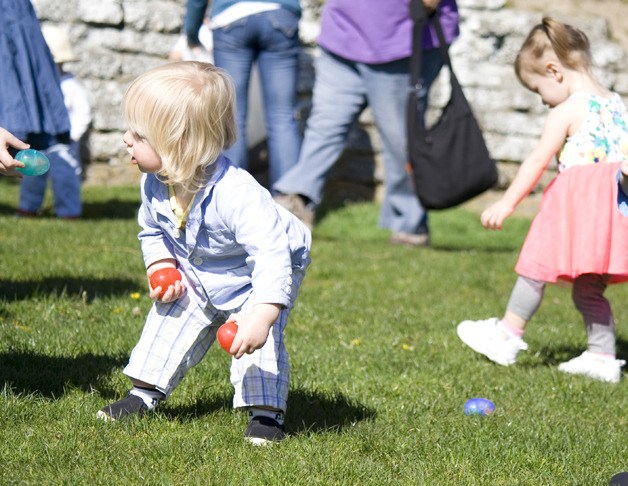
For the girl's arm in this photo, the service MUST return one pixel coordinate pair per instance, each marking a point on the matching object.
(554, 134)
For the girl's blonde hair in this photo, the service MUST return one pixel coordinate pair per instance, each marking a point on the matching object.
(186, 112)
(569, 44)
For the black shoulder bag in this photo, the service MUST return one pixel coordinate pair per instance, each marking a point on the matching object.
(450, 162)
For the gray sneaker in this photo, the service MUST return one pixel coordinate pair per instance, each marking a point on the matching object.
(296, 205)
(126, 407)
(264, 430)
(410, 239)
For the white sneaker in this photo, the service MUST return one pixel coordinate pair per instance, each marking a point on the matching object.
(489, 338)
(594, 366)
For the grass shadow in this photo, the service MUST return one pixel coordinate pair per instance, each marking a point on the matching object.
(49, 376)
(92, 211)
(552, 356)
(111, 209)
(319, 412)
(86, 288)
(7, 210)
(308, 412)
(480, 247)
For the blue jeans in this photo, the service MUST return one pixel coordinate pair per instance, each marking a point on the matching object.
(342, 90)
(272, 40)
(65, 176)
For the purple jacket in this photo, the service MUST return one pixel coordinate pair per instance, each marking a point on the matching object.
(378, 31)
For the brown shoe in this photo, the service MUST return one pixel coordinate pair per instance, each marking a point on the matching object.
(295, 204)
(410, 239)
(22, 213)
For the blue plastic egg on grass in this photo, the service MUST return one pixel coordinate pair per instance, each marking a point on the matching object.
(479, 406)
(35, 162)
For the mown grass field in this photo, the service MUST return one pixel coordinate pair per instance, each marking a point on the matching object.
(379, 377)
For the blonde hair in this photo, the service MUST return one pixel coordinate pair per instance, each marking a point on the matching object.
(186, 112)
(569, 44)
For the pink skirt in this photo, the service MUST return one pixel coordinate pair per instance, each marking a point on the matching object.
(578, 229)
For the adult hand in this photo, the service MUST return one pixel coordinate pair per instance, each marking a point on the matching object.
(431, 5)
(8, 163)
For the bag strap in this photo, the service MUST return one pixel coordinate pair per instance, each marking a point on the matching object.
(421, 18)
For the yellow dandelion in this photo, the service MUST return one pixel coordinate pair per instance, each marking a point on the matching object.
(407, 347)
(135, 295)
(21, 327)
(356, 342)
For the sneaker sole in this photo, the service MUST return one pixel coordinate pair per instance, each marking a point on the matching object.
(614, 379)
(257, 441)
(478, 348)
(104, 417)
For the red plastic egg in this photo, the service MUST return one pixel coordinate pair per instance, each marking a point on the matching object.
(226, 333)
(164, 278)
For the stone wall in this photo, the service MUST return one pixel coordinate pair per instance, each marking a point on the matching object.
(118, 39)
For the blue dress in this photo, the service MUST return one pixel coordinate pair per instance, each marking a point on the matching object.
(31, 101)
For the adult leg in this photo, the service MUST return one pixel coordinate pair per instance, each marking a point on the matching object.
(235, 53)
(337, 100)
(65, 175)
(387, 88)
(278, 63)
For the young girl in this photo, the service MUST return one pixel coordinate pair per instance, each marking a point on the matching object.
(65, 161)
(31, 100)
(579, 235)
(241, 257)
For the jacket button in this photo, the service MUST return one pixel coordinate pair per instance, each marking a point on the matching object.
(197, 261)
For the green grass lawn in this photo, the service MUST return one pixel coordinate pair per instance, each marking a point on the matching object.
(379, 377)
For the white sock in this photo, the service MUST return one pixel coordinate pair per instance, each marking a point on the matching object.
(150, 396)
(510, 330)
(276, 415)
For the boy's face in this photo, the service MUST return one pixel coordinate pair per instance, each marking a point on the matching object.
(142, 154)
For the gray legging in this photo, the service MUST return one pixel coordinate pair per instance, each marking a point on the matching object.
(588, 296)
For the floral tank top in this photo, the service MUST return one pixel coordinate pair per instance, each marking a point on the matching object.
(603, 136)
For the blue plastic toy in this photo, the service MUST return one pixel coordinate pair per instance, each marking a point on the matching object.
(35, 162)
(479, 406)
